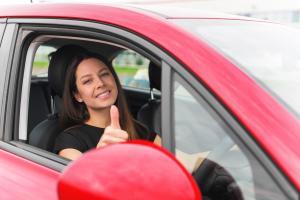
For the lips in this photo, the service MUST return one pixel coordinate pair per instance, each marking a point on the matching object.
(103, 95)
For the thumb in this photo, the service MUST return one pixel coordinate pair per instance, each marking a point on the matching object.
(114, 117)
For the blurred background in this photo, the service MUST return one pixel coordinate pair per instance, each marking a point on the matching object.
(282, 11)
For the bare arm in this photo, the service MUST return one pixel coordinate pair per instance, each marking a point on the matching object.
(71, 154)
(74, 154)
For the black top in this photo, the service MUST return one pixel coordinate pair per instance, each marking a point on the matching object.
(85, 137)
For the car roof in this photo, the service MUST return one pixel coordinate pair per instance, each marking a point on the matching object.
(75, 9)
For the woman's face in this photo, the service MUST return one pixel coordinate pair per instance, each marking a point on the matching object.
(96, 86)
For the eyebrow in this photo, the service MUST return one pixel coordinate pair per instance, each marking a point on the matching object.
(88, 75)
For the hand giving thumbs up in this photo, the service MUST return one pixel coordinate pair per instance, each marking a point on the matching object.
(113, 133)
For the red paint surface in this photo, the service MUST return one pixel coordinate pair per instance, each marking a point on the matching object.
(22, 179)
(128, 171)
(273, 127)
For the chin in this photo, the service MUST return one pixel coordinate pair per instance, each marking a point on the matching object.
(105, 105)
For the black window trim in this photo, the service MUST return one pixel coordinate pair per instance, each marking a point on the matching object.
(135, 41)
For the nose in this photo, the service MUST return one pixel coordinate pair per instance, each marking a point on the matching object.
(100, 82)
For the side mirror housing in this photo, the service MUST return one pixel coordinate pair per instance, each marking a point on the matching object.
(135, 170)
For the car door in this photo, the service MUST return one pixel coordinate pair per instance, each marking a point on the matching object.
(21, 178)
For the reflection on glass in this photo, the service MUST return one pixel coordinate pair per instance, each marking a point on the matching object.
(268, 52)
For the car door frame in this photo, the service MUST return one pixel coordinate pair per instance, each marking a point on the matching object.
(6, 40)
(24, 28)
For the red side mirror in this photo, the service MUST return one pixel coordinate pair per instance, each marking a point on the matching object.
(137, 170)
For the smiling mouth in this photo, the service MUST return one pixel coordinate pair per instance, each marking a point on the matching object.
(103, 95)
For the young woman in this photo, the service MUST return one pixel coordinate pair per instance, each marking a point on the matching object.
(94, 108)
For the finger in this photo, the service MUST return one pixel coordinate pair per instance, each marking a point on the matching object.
(116, 133)
(112, 135)
(114, 117)
(101, 144)
(111, 140)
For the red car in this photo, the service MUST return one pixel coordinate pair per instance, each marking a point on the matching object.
(221, 91)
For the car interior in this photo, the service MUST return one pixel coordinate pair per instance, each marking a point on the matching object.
(45, 103)
(46, 94)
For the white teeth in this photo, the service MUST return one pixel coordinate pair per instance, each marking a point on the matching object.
(103, 95)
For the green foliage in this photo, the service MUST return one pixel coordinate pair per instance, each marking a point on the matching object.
(40, 64)
(125, 70)
(139, 61)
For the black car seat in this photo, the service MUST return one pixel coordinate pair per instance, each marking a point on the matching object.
(44, 134)
(39, 98)
(150, 113)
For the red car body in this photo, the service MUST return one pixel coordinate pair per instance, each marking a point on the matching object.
(272, 126)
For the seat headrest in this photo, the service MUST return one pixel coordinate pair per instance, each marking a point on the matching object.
(58, 66)
(154, 76)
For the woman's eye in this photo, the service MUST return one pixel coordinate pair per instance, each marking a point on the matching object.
(104, 74)
(86, 81)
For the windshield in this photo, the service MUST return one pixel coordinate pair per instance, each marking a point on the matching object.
(268, 52)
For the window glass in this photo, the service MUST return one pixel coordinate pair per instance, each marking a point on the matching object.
(266, 51)
(41, 61)
(132, 69)
(222, 168)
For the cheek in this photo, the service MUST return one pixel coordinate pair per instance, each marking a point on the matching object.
(84, 92)
(114, 84)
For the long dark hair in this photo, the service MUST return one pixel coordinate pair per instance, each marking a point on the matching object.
(74, 112)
